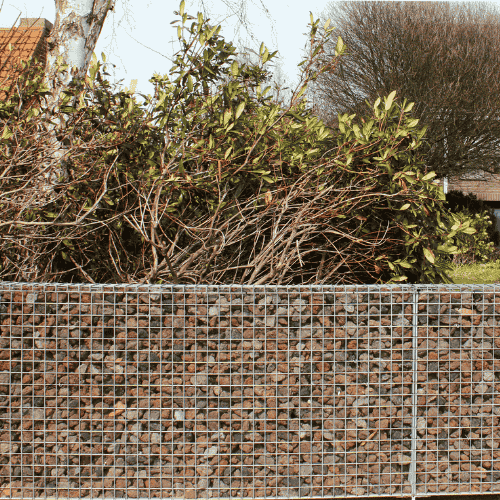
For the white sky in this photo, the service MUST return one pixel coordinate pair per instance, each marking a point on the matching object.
(139, 39)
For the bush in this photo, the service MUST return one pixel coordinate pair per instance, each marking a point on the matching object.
(225, 188)
(457, 201)
(478, 247)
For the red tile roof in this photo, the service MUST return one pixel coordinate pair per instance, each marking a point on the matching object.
(29, 39)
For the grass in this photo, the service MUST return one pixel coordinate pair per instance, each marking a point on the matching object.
(475, 274)
(486, 273)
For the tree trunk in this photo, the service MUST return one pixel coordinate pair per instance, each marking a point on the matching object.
(77, 27)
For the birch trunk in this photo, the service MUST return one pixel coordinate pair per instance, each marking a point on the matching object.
(74, 35)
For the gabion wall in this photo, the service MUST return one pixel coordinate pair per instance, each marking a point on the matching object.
(121, 391)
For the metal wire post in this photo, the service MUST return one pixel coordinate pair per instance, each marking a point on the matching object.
(413, 464)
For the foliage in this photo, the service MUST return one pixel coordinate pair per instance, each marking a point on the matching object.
(480, 246)
(457, 201)
(411, 203)
(221, 188)
(473, 247)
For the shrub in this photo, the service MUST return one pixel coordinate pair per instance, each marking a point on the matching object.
(473, 247)
(459, 202)
(227, 188)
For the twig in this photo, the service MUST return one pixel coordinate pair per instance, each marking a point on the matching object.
(298, 253)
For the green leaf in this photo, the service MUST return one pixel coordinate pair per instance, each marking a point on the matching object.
(239, 109)
(422, 132)
(190, 83)
(316, 50)
(409, 178)
(399, 278)
(6, 134)
(447, 249)
(388, 101)
(234, 69)
(181, 8)
(209, 36)
(469, 230)
(268, 179)
(405, 264)
(265, 57)
(428, 176)
(339, 47)
(405, 206)
(409, 107)
(429, 255)
(302, 90)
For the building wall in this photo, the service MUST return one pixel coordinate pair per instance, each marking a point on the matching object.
(484, 185)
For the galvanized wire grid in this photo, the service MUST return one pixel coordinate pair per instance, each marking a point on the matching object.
(121, 391)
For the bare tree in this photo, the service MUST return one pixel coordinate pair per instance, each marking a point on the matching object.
(443, 56)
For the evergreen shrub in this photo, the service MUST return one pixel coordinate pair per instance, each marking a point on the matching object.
(480, 246)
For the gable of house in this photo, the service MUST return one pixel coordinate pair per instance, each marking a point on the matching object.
(16, 44)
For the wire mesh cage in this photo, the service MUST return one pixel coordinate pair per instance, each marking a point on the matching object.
(124, 391)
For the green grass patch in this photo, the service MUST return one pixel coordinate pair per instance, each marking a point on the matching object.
(473, 274)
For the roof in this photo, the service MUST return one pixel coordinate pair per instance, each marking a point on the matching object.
(29, 39)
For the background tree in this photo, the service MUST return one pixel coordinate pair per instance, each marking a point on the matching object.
(443, 56)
